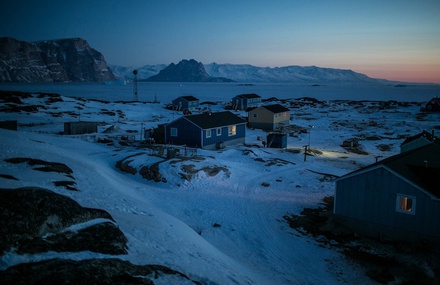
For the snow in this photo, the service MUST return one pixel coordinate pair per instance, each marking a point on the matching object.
(222, 229)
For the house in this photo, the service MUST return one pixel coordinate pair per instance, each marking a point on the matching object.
(397, 198)
(244, 101)
(419, 140)
(78, 128)
(270, 117)
(207, 130)
(433, 105)
(189, 103)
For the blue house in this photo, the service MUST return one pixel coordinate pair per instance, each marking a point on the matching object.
(206, 130)
(244, 101)
(189, 103)
(397, 198)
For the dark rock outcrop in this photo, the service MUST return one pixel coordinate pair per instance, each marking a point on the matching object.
(91, 271)
(185, 71)
(37, 220)
(64, 60)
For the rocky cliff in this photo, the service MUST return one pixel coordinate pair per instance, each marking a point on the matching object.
(65, 60)
(185, 71)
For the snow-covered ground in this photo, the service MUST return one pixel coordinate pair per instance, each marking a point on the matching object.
(222, 227)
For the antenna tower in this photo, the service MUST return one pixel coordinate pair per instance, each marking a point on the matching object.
(135, 86)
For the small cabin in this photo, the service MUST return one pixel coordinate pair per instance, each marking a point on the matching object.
(189, 103)
(245, 101)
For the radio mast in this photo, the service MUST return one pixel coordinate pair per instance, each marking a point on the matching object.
(135, 86)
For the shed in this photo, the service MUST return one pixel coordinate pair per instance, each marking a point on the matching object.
(394, 199)
(207, 130)
(277, 140)
(78, 128)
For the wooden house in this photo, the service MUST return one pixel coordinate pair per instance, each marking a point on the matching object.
(270, 117)
(245, 101)
(207, 130)
(419, 140)
(433, 105)
(189, 103)
(397, 198)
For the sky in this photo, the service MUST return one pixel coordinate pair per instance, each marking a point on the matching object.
(391, 39)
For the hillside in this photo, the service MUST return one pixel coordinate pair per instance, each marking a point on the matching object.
(215, 217)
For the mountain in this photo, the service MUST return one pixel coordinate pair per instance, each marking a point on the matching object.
(144, 72)
(185, 71)
(251, 74)
(64, 60)
(293, 74)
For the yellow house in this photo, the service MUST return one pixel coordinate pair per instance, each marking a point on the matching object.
(270, 117)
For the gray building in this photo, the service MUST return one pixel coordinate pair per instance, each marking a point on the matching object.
(397, 198)
(78, 128)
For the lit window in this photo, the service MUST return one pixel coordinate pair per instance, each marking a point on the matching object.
(406, 204)
(219, 131)
(174, 132)
(232, 130)
(208, 133)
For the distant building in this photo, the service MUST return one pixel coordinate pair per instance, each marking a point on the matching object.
(433, 105)
(206, 130)
(79, 128)
(245, 101)
(419, 140)
(397, 198)
(189, 103)
(270, 117)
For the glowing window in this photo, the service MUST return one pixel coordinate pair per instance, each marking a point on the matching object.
(406, 204)
(232, 130)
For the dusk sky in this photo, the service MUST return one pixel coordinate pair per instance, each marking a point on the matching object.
(391, 39)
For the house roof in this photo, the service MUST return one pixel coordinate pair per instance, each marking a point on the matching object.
(276, 108)
(215, 120)
(426, 135)
(188, 98)
(420, 166)
(248, 96)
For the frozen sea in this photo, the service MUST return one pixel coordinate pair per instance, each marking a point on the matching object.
(166, 92)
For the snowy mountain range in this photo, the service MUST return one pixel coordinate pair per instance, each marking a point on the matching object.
(251, 74)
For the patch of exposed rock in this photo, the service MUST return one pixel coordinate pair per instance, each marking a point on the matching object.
(37, 220)
(92, 271)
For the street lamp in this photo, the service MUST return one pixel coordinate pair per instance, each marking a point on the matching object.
(310, 130)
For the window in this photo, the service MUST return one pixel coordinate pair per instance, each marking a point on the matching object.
(255, 115)
(219, 131)
(208, 133)
(174, 132)
(406, 204)
(232, 130)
